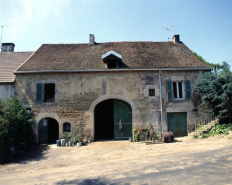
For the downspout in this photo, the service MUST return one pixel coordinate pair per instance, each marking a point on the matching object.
(161, 104)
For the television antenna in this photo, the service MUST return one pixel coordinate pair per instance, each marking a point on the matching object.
(168, 29)
(2, 33)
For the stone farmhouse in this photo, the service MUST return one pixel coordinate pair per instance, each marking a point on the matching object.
(9, 62)
(103, 90)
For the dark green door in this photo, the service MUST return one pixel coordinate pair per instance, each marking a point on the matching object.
(43, 131)
(123, 112)
(177, 123)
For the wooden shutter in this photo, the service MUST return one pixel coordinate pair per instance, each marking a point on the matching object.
(187, 90)
(39, 92)
(169, 90)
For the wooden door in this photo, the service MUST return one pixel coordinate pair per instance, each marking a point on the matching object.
(123, 112)
(177, 123)
(43, 131)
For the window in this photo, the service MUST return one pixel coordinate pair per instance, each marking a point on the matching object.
(66, 127)
(112, 60)
(45, 92)
(113, 63)
(175, 90)
(151, 92)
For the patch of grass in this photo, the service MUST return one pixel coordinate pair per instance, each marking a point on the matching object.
(199, 126)
(204, 136)
(195, 136)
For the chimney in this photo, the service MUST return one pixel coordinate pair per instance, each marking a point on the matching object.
(176, 39)
(91, 39)
(8, 47)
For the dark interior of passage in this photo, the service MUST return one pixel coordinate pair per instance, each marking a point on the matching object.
(53, 130)
(104, 120)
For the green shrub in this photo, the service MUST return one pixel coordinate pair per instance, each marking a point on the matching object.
(195, 136)
(142, 137)
(218, 129)
(137, 136)
(205, 135)
(75, 138)
(15, 128)
(226, 132)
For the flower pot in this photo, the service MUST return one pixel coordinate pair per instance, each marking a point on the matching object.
(78, 144)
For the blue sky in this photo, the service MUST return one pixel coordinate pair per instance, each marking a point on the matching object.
(205, 26)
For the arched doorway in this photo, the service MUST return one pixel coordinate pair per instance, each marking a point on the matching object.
(113, 120)
(48, 130)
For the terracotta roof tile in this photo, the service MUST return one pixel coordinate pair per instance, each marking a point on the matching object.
(9, 62)
(135, 55)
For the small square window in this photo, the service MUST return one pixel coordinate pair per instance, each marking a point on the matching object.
(151, 92)
(66, 127)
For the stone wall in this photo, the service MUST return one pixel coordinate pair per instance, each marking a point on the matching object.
(6, 90)
(77, 93)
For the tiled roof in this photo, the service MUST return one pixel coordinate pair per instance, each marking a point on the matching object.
(9, 62)
(135, 55)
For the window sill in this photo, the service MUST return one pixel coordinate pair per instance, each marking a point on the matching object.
(179, 100)
(48, 103)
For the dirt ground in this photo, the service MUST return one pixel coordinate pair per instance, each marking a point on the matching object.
(53, 157)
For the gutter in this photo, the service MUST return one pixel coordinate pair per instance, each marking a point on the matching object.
(161, 103)
(112, 70)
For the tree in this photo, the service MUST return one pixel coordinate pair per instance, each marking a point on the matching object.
(217, 68)
(15, 128)
(215, 89)
(216, 93)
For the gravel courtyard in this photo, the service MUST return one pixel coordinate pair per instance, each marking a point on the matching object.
(105, 159)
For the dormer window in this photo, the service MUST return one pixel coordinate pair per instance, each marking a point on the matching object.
(112, 60)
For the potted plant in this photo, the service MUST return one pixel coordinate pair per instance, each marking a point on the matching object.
(153, 138)
(142, 138)
(137, 137)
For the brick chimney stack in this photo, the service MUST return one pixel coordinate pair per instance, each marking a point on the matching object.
(176, 39)
(8, 47)
(91, 39)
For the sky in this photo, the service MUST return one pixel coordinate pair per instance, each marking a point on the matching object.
(204, 26)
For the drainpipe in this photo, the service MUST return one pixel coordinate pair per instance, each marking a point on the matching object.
(161, 103)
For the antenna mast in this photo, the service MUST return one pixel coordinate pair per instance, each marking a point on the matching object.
(168, 29)
(2, 33)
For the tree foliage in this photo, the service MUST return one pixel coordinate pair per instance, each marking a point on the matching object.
(215, 88)
(216, 93)
(15, 128)
(217, 68)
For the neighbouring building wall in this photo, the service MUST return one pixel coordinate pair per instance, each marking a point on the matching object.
(6, 90)
(77, 94)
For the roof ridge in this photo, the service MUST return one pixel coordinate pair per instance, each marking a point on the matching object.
(110, 42)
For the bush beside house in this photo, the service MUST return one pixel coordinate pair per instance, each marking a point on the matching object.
(15, 128)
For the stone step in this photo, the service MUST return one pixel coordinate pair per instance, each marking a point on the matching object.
(204, 129)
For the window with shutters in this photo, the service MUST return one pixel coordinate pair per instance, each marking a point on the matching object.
(45, 92)
(175, 90)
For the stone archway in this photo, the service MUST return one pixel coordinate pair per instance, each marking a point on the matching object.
(41, 116)
(48, 131)
(113, 120)
(90, 113)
